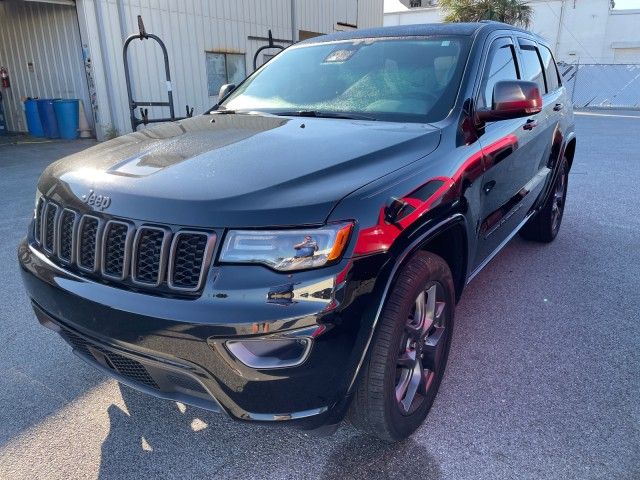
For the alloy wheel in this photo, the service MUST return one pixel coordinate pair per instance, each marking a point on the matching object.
(422, 349)
(558, 201)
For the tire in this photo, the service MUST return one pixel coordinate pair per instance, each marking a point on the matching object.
(410, 349)
(545, 225)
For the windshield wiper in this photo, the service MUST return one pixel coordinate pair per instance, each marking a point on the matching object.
(319, 114)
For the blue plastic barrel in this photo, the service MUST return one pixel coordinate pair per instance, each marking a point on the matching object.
(34, 124)
(67, 114)
(48, 118)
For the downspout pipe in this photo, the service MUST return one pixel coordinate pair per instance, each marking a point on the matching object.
(560, 20)
(294, 37)
(122, 21)
(105, 62)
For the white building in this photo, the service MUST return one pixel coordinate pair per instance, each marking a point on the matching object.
(73, 49)
(579, 31)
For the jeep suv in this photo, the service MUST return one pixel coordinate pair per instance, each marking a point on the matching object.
(296, 253)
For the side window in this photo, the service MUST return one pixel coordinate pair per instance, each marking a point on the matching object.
(531, 66)
(550, 69)
(224, 68)
(501, 66)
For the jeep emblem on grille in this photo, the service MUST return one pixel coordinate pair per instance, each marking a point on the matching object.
(100, 202)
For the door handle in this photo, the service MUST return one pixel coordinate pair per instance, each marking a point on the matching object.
(557, 107)
(530, 125)
(489, 186)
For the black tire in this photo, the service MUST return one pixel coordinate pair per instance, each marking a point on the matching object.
(545, 225)
(376, 409)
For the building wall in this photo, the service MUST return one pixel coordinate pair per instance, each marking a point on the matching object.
(584, 31)
(189, 29)
(40, 46)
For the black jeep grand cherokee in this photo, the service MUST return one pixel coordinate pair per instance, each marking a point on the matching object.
(297, 253)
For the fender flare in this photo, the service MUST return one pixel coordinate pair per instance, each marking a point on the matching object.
(556, 170)
(571, 136)
(400, 260)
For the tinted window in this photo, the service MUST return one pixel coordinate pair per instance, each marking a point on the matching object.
(531, 66)
(502, 66)
(550, 70)
(412, 79)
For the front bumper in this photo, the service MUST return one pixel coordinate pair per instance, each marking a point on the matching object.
(174, 347)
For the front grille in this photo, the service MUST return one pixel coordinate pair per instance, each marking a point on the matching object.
(67, 229)
(88, 242)
(50, 217)
(186, 267)
(130, 254)
(115, 250)
(150, 246)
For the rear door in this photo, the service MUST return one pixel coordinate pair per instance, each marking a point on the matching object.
(512, 152)
(557, 106)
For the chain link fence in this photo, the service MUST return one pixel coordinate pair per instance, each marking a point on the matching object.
(603, 85)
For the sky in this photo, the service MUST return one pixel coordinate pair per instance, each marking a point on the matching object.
(624, 4)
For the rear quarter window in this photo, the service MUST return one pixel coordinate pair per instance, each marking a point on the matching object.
(550, 69)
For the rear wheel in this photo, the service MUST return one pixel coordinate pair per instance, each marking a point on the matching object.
(409, 353)
(544, 225)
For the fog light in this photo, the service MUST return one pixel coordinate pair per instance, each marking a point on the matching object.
(268, 353)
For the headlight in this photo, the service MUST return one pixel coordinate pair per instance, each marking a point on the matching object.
(287, 250)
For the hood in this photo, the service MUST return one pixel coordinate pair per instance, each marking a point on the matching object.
(236, 170)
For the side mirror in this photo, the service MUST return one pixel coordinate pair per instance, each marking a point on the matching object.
(225, 90)
(512, 99)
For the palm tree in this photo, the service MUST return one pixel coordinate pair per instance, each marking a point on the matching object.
(515, 12)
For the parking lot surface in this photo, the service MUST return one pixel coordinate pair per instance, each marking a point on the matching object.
(543, 379)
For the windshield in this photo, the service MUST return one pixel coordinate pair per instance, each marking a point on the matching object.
(397, 79)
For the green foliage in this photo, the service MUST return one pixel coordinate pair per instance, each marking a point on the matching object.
(514, 12)
(110, 132)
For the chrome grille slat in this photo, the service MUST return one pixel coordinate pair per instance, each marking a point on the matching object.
(37, 224)
(49, 228)
(136, 255)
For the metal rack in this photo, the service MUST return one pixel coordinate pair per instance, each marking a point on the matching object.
(133, 104)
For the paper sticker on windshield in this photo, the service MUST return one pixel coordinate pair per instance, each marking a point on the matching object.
(445, 43)
(340, 55)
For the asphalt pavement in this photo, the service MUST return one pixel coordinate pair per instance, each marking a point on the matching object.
(543, 379)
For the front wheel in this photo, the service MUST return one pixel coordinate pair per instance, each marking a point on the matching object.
(409, 353)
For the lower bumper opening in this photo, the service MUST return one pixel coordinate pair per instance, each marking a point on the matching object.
(153, 377)
(165, 378)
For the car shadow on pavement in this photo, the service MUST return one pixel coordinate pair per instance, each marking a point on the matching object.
(157, 438)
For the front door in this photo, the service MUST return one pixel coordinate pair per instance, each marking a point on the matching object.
(512, 152)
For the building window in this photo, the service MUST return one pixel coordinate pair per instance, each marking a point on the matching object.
(266, 57)
(224, 68)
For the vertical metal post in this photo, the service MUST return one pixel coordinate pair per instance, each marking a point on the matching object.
(575, 81)
(293, 22)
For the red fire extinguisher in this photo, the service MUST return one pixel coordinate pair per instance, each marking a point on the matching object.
(4, 77)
